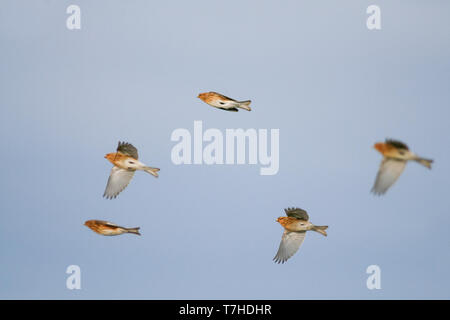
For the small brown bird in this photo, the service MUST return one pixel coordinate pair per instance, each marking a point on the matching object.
(222, 102)
(295, 226)
(109, 229)
(395, 156)
(125, 162)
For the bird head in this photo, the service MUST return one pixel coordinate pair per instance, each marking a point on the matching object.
(282, 220)
(202, 96)
(380, 146)
(88, 223)
(111, 156)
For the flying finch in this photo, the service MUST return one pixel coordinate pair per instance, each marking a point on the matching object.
(395, 156)
(220, 101)
(109, 229)
(295, 226)
(125, 162)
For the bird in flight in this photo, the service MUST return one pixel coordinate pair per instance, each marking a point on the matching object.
(395, 156)
(222, 102)
(295, 226)
(109, 229)
(125, 161)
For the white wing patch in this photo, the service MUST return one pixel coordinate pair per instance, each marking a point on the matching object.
(117, 181)
(290, 242)
(390, 170)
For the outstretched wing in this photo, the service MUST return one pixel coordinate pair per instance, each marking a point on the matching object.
(290, 242)
(390, 170)
(117, 181)
(297, 213)
(397, 144)
(128, 149)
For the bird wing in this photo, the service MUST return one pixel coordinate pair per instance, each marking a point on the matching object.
(128, 149)
(221, 96)
(390, 170)
(290, 242)
(233, 109)
(297, 213)
(111, 225)
(397, 144)
(100, 221)
(117, 181)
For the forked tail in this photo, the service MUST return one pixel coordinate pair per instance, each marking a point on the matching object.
(245, 105)
(425, 162)
(134, 230)
(152, 171)
(320, 229)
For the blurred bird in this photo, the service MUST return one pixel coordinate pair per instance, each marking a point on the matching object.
(109, 229)
(220, 101)
(395, 155)
(295, 226)
(125, 162)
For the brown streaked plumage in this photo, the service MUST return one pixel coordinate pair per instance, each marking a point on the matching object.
(125, 161)
(220, 101)
(395, 156)
(295, 225)
(109, 229)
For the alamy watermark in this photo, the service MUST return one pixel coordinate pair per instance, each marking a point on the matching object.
(229, 148)
(74, 280)
(374, 280)
(73, 22)
(374, 20)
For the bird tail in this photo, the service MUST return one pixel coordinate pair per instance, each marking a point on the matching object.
(320, 229)
(134, 230)
(152, 171)
(425, 162)
(245, 105)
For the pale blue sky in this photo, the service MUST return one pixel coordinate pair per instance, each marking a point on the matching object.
(133, 72)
